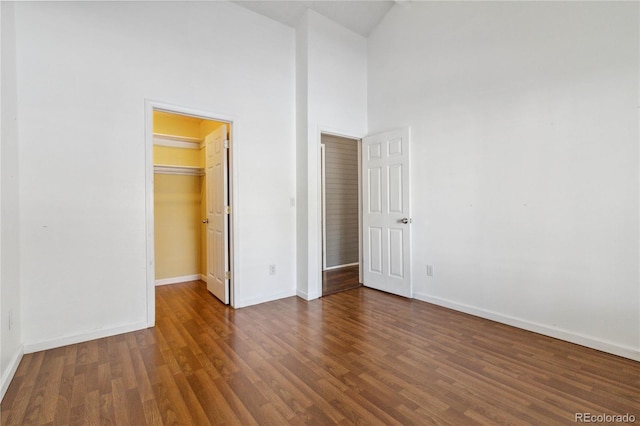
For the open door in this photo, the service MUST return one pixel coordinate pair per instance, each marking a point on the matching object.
(217, 192)
(386, 215)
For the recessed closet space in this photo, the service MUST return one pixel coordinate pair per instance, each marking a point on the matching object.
(180, 196)
(340, 213)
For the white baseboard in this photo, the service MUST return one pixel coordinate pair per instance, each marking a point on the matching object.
(175, 280)
(306, 296)
(264, 299)
(44, 345)
(329, 268)
(557, 333)
(10, 371)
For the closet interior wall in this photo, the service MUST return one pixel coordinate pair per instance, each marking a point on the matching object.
(340, 186)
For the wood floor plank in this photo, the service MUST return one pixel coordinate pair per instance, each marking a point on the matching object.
(15, 415)
(358, 357)
(340, 279)
(190, 388)
(92, 408)
(294, 374)
(120, 406)
(63, 403)
(134, 407)
(273, 394)
(290, 395)
(172, 405)
(107, 415)
(51, 390)
(215, 409)
(152, 412)
(234, 401)
(78, 391)
(353, 413)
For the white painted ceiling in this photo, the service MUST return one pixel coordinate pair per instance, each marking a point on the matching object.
(357, 15)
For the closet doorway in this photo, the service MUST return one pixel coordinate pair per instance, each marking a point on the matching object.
(191, 202)
(341, 247)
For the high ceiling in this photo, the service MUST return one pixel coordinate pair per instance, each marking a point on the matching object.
(359, 16)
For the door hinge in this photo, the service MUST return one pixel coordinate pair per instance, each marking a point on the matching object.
(227, 275)
(226, 143)
(227, 209)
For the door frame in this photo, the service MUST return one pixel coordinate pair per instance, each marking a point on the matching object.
(234, 250)
(323, 202)
(326, 130)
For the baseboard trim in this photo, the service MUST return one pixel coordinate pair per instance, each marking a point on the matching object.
(175, 280)
(44, 345)
(10, 372)
(306, 296)
(270, 298)
(346, 265)
(557, 333)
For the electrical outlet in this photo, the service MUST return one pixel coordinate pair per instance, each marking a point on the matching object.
(10, 320)
(429, 270)
(272, 269)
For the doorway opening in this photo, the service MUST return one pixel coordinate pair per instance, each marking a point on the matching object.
(189, 197)
(341, 213)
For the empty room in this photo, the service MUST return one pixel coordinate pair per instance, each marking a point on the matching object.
(487, 155)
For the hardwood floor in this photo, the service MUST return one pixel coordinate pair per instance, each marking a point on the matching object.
(356, 357)
(336, 280)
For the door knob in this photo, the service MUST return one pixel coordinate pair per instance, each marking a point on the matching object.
(406, 220)
(205, 220)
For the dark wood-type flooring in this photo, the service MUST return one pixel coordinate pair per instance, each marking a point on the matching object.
(355, 357)
(341, 279)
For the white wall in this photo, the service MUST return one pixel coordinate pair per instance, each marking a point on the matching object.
(303, 270)
(84, 72)
(336, 101)
(525, 159)
(11, 339)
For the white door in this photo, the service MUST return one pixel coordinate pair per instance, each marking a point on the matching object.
(386, 215)
(217, 194)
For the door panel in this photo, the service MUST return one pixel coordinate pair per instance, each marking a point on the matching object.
(375, 187)
(396, 266)
(218, 219)
(375, 252)
(395, 189)
(387, 240)
(375, 151)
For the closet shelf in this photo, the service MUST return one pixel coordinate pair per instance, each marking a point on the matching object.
(178, 170)
(160, 139)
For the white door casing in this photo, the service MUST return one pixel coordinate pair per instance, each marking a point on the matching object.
(217, 200)
(386, 208)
